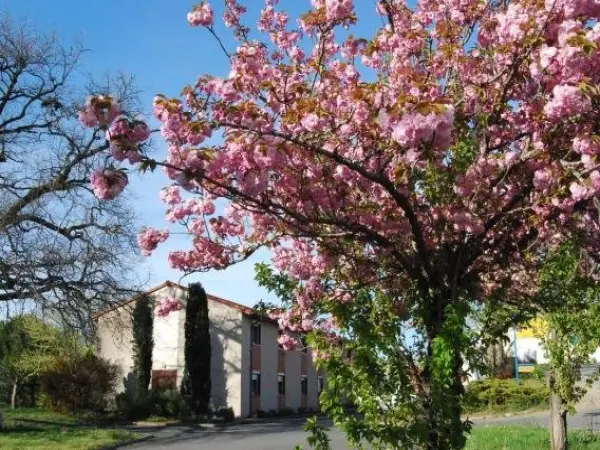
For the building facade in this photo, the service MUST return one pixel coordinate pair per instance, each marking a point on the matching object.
(249, 371)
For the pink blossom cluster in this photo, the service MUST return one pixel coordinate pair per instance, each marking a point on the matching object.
(125, 137)
(167, 306)
(170, 195)
(99, 110)
(566, 101)
(287, 342)
(177, 128)
(201, 15)
(433, 129)
(338, 9)
(108, 183)
(149, 238)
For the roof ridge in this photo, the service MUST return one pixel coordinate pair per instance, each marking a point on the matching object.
(239, 306)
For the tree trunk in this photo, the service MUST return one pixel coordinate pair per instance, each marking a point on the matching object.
(443, 407)
(13, 397)
(558, 423)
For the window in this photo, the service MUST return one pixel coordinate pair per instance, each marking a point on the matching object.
(304, 384)
(255, 383)
(320, 384)
(281, 384)
(255, 332)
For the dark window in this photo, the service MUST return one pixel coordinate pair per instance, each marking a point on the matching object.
(281, 384)
(304, 384)
(320, 384)
(256, 383)
(255, 330)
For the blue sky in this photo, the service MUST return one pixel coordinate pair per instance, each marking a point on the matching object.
(152, 40)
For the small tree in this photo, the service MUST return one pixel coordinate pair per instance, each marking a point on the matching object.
(196, 383)
(28, 347)
(568, 335)
(143, 343)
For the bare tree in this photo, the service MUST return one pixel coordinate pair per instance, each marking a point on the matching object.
(62, 251)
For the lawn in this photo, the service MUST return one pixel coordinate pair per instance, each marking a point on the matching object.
(525, 438)
(34, 428)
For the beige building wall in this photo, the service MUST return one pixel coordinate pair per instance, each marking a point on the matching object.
(245, 375)
(113, 338)
(226, 335)
(230, 331)
(292, 379)
(269, 358)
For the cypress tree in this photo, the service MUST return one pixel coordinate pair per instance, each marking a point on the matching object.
(143, 343)
(196, 380)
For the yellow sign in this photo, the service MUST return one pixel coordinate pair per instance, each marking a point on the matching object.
(534, 329)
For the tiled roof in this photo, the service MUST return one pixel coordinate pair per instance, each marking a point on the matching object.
(241, 308)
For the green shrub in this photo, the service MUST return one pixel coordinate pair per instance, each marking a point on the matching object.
(133, 407)
(158, 402)
(225, 414)
(495, 395)
(78, 384)
(168, 403)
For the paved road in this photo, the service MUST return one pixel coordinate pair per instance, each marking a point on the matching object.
(281, 435)
(285, 434)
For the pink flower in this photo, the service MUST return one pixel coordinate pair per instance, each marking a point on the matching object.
(170, 195)
(149, 239)
(140, 131)
(338, 9)
(167, 306)
(107, 184)
(566, 101)
(201, 15)
(312, 122)
(99, 110)
(287, 342)
(542, 179)
(579, 192)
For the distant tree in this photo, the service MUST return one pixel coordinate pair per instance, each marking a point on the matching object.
(28, 347)
(570, 334)
(196, 383)
(143, 343)
(57, 240)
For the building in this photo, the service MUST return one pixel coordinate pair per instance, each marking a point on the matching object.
(249, 372)
(528, 347)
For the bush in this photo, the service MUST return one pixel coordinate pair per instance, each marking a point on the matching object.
(168, 403)
(158, 402)
(225, 414)
(78, 384)
(505, 395)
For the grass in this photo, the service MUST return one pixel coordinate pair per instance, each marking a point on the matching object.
(13, 417)
(57, 438)
(525, 438)
(35, 428)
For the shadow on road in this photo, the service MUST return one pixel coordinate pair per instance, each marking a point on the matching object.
(180, 434)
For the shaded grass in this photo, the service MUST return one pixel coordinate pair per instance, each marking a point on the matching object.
(62, 438)
(513, 437)
(36, 428)
(13, 417)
